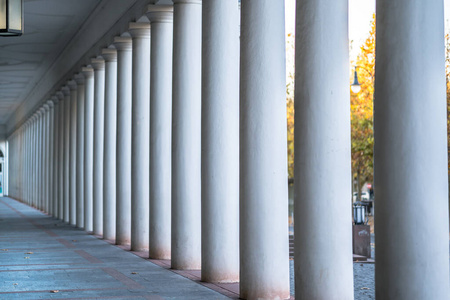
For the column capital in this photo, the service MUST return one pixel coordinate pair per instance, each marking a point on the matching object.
(98, 63)
(50, 103)
(139, 30)
(60, 95)
(109, 54)
(65, 90)
(72, 85)
(55, 99)
(187, 1)
(46, 106)
(123, 43)
(87, 71)
(160, 13)
(79, 78)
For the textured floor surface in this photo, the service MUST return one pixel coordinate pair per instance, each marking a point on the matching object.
(43, 258)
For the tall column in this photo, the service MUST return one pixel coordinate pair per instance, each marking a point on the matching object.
(410, 153)
(322, 153)
(99, 111)
(186, 135)
(64, 209)
(66, 148)
(40, 171)
(25, 157)
(123, 159)
(161, 18)
(88, 195)
(264, 240)
(72, 153)
(140, 138)
(220, 141)
(79, 192)
(44, 158)
(34, 161)
(55, 181)
(110, 132)
(50, 158)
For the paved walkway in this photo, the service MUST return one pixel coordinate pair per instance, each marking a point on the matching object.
(43, 258)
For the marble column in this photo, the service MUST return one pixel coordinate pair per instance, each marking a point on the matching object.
(88, 163)
(322, 153)
(186, 135)
(140, 137)
(161, 18)
(264, 240)
(410, 152)
(123, 158)
(72, 153)
(80, 149)
(110, 133)
(220, 141)
(99, 111)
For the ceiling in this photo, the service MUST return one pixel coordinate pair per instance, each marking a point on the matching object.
(48, 26)
(60, 36)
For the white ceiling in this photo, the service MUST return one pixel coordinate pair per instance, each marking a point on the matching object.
(60, 36)
(48, 26)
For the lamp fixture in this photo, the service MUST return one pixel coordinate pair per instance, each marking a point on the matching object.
(11, 17)
(355, 87)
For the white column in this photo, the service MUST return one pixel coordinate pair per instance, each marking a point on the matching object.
(66, 148)
(186, 135)
(72, 153)
(50, 156)
(99, 111)
(88, 148)
(41, 174)
(161, 18)
(35, 159)
(44, 158)
(322, 153)
(25, 157)
(140, 137)
(220, 141)
(110, 132)
(264, 240)
(123, 159)
(410, 153)
(55, 181)
(79, 192)
(35, 163)
(61, 152)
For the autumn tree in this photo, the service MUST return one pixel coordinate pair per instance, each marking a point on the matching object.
(447, 75)
(290, 78)
(361, 104)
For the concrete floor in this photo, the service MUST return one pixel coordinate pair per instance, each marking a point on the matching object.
(43, 258)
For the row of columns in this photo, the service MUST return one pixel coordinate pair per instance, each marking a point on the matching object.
(173, 140)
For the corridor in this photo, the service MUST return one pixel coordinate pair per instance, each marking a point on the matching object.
(45, 258)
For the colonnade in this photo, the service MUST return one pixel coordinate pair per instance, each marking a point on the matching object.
(173, 140)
